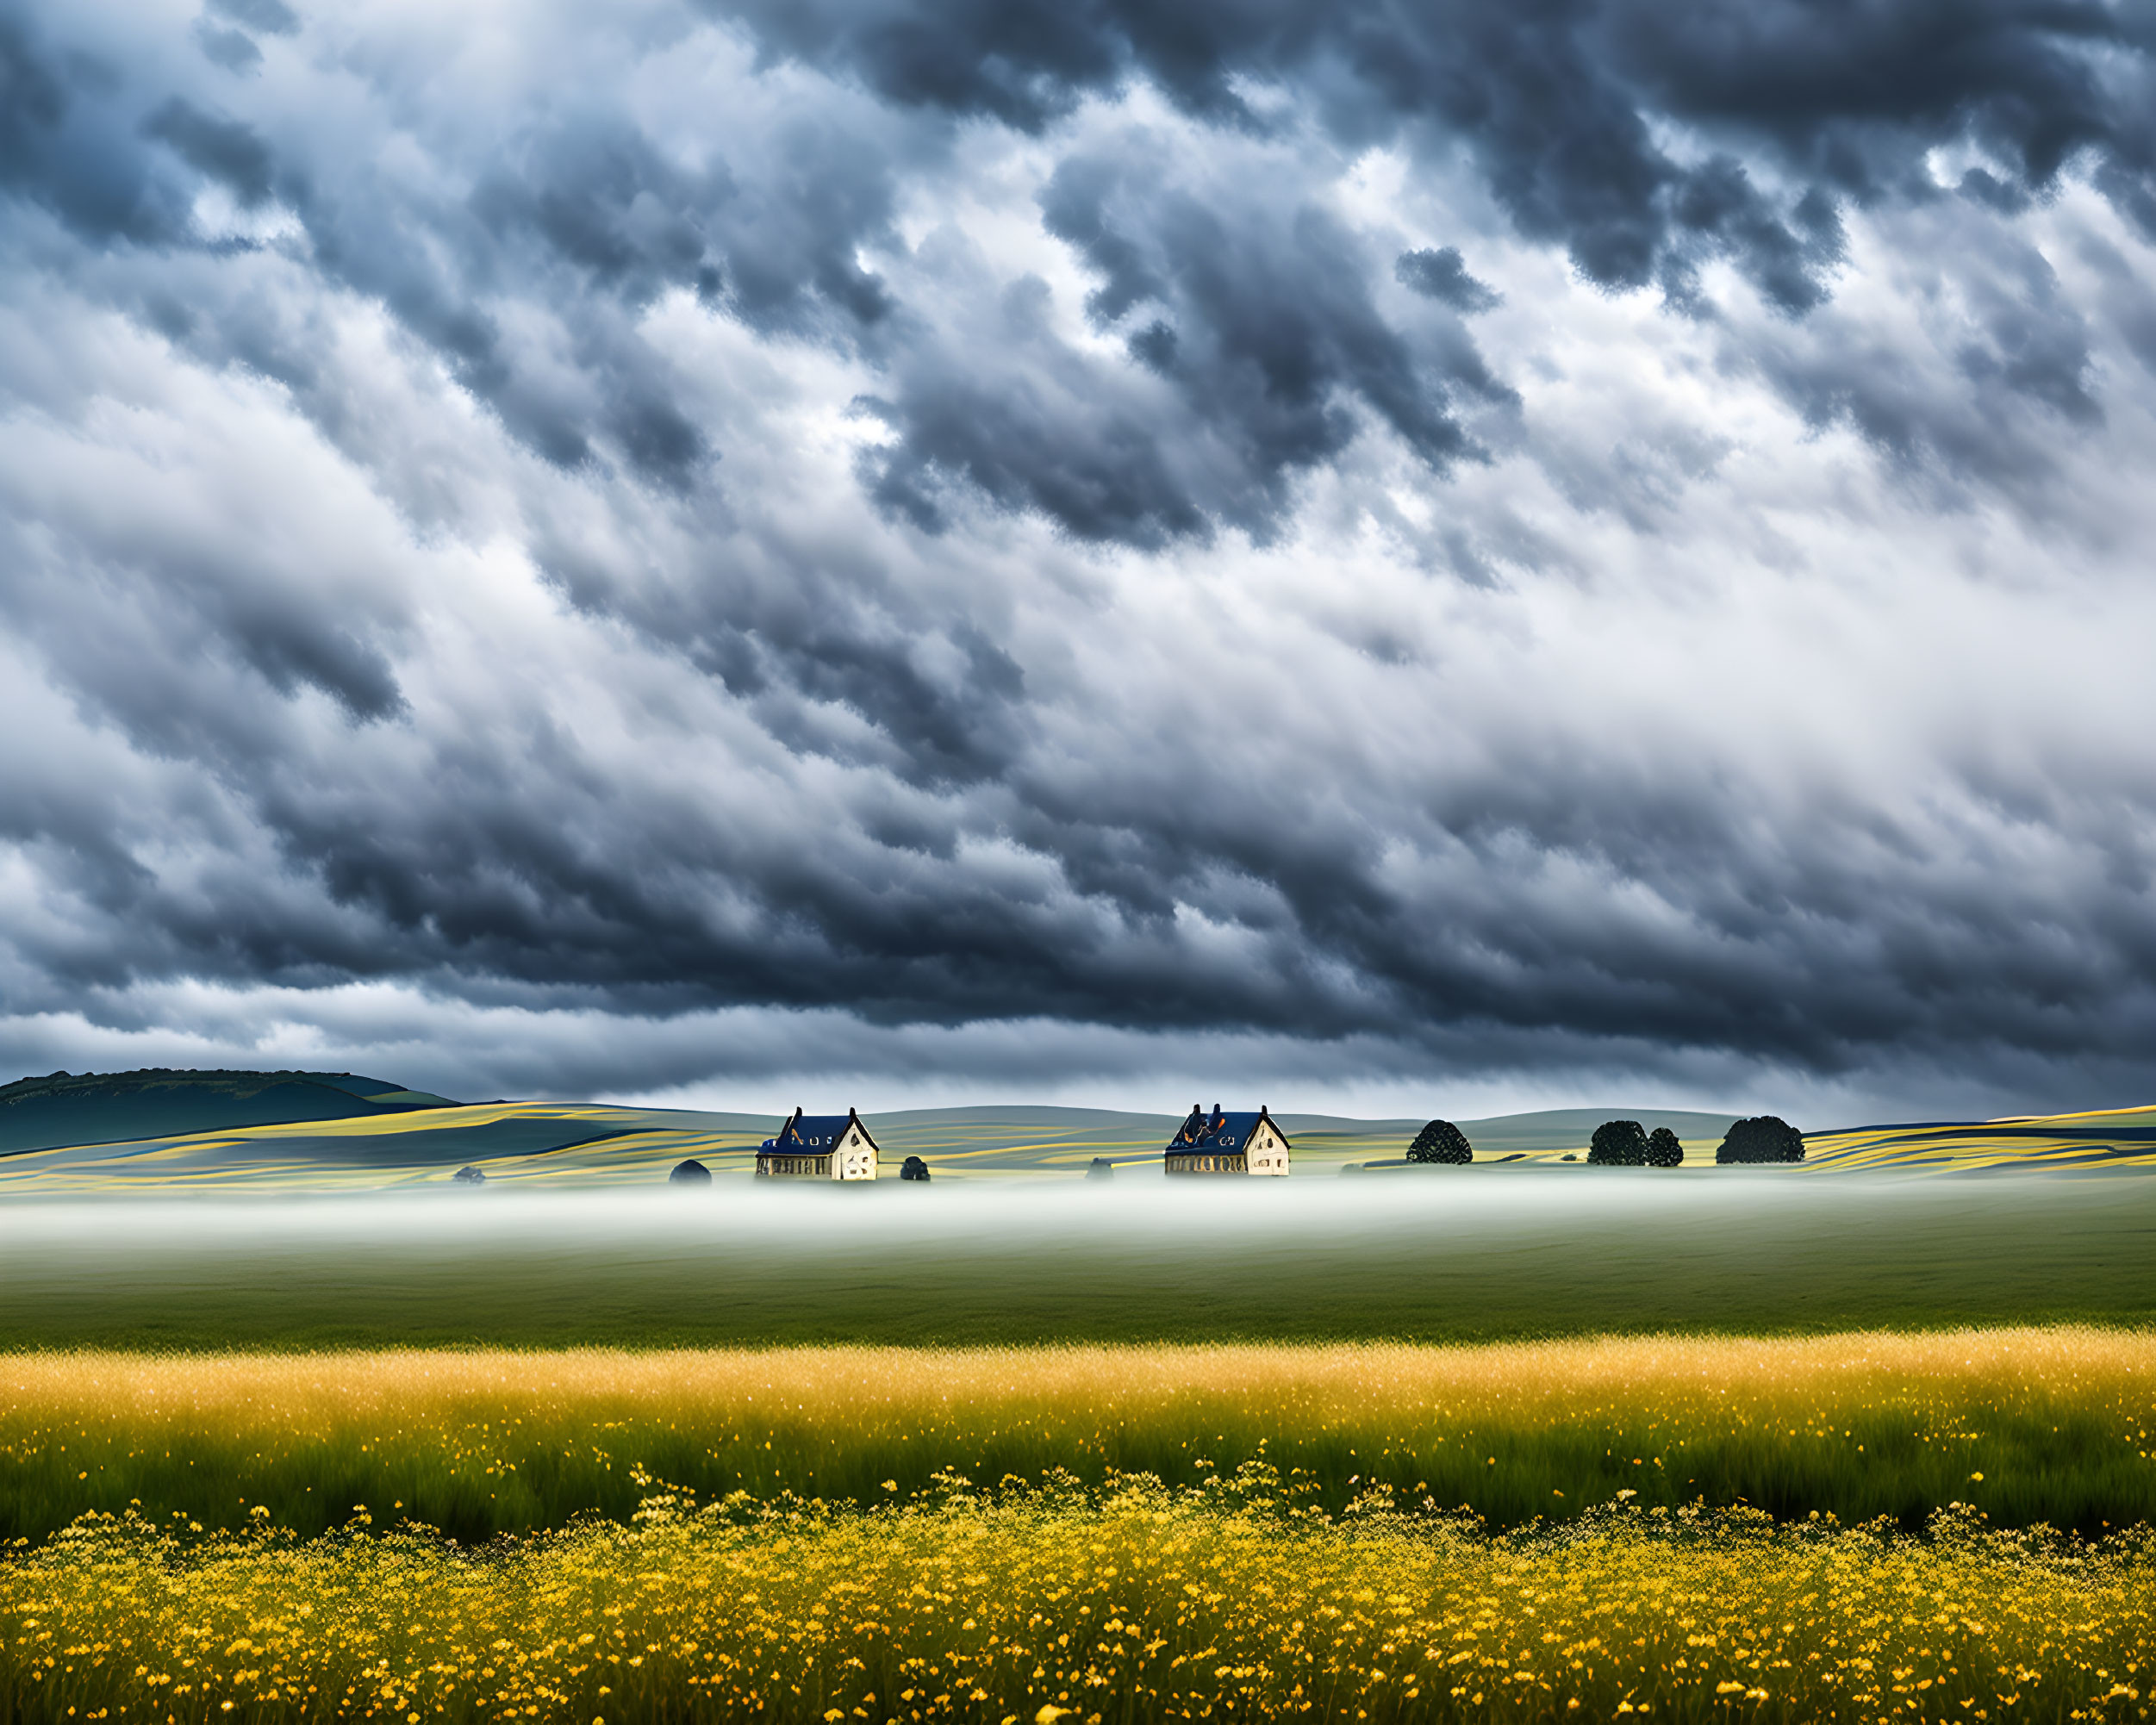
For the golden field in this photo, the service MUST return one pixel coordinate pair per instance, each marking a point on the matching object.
(2056, 1423)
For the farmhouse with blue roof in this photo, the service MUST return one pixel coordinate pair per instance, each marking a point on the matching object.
(819, 1147)
(1227, 1144)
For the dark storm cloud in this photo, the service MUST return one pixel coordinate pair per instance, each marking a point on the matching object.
(222, 150)
(1554, 97)
(1266, 353)
(1814, 950)
(63, 145)
(581, 211)
(2022, 369)
(234, 50)
(1269, 339)
(939, 534)
(1443, 275)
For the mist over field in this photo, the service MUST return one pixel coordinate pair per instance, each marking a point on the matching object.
(1063, 1215)
(1452, 1254)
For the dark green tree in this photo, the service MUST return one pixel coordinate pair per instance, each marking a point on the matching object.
(1618, 1144)
(1765, 1139)
(914, 1168)
(1663, 1151)
(1440, 1142)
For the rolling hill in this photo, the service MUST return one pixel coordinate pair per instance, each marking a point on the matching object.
(63, 1109)
(389, 1140)
(322, 1132)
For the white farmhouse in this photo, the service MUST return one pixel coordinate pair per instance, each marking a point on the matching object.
(819, 1147)
(1227, 1144)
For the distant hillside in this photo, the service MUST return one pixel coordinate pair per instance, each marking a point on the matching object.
(2102, 1141)
(114, 1107)
(336, 1131)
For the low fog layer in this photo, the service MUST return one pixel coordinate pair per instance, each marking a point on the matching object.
(994, 1219)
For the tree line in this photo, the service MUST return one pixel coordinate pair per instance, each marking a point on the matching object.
(1626, 1143)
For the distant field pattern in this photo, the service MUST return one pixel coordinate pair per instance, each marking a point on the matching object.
(2111, 1139)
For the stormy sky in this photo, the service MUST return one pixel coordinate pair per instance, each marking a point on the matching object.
(1392, 557)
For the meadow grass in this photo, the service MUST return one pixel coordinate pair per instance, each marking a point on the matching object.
(1036, 1605)
(2055, 1426)
(1465, 1255)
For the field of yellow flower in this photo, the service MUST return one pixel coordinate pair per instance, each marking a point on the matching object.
(1562, 1530)
(1137, 1603)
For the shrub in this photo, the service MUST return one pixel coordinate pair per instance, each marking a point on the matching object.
(1440, 1142)
(1663, 1151)
(1766, 1139)
(1618, 1143)
(914, 1168)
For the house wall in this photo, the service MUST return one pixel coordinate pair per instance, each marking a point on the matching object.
(1268, 1151)
(1207, 1162)
(856, 1158)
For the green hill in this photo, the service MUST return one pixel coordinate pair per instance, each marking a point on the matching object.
(112, 1107)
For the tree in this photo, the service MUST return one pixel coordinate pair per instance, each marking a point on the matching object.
(1440, 1142)
(1618, 1143)
(914, 1168)
(1765, 1139)
(1663, 1151)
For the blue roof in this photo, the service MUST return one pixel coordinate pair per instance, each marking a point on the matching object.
(1218, 1133)
(815, 1132)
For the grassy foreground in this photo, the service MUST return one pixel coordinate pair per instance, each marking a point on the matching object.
(1139, 1605)
(2029, 1426)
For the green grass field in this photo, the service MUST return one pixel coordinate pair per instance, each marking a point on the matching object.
(1465, 1255)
